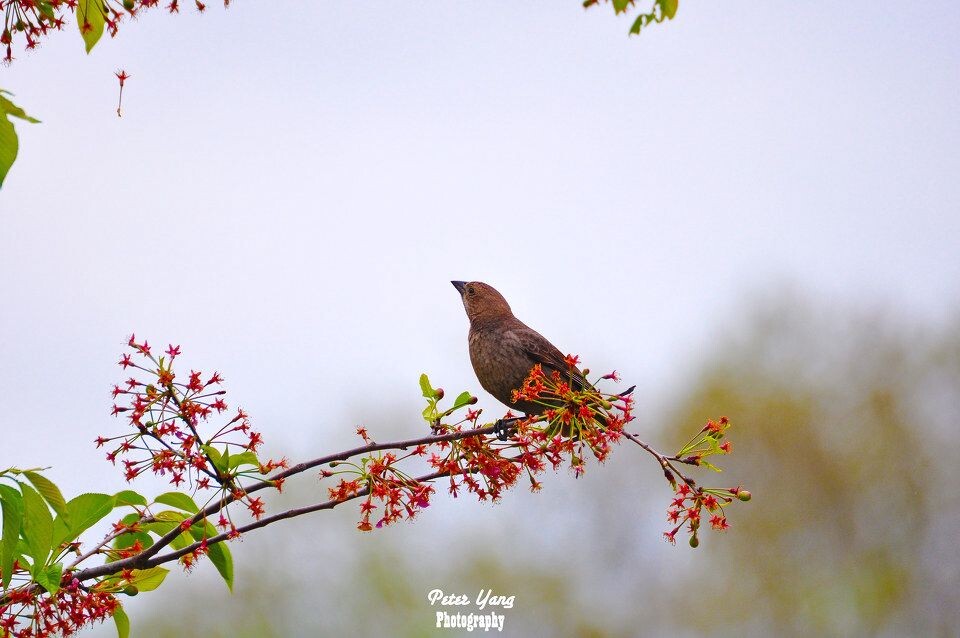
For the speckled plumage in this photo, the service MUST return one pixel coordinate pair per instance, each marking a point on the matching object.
(503, 349)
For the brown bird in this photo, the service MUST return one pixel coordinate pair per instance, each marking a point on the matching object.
(503, 349)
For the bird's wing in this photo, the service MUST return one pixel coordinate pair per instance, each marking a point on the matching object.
(541, 351)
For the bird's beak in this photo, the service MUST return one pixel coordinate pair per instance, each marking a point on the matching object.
(459, 285)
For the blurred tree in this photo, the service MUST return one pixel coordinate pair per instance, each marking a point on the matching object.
(841, 462)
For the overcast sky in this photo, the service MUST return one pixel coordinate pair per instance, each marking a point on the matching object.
(292, 186)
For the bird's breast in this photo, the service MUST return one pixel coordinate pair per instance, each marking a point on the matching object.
(499, 362)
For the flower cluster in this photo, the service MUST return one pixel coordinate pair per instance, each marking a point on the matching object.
(573, 408)
(173, 430)
(578, 420)
(399, 495)
(686, 509)
(34, 19)
(690, 499)
(36, 613)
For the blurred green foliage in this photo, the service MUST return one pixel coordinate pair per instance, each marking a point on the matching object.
(843, 424)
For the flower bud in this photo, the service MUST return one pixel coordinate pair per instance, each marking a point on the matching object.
(667, 473)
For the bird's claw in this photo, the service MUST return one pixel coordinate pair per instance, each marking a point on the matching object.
(504, 429)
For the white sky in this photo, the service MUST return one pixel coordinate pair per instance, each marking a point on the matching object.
(290, 191)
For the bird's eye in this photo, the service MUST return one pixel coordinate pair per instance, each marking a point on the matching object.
(470, 290)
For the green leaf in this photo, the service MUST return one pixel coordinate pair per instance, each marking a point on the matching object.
(122, 621)
(216, 457)
(178, 500)
(41, 578)
(668, 7)
(52, 576)
(619, 6)
(462, 399)
(37, 527)
(148, 579)
(221, 558)
(129, 497)
(50, 493)
(9, 144)
(169, 516)
(639, 23)
(84, 511)
(90, 20)
(46, 10)
(244, 458)
(8, 147)
(11, 506)
(8, 107)
(425, 387)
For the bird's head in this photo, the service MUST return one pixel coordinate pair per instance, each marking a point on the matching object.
(482, 301)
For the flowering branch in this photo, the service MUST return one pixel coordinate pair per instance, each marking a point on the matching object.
(171, 433)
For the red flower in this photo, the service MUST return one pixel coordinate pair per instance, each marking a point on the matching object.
(719, 522)
(255, 505)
